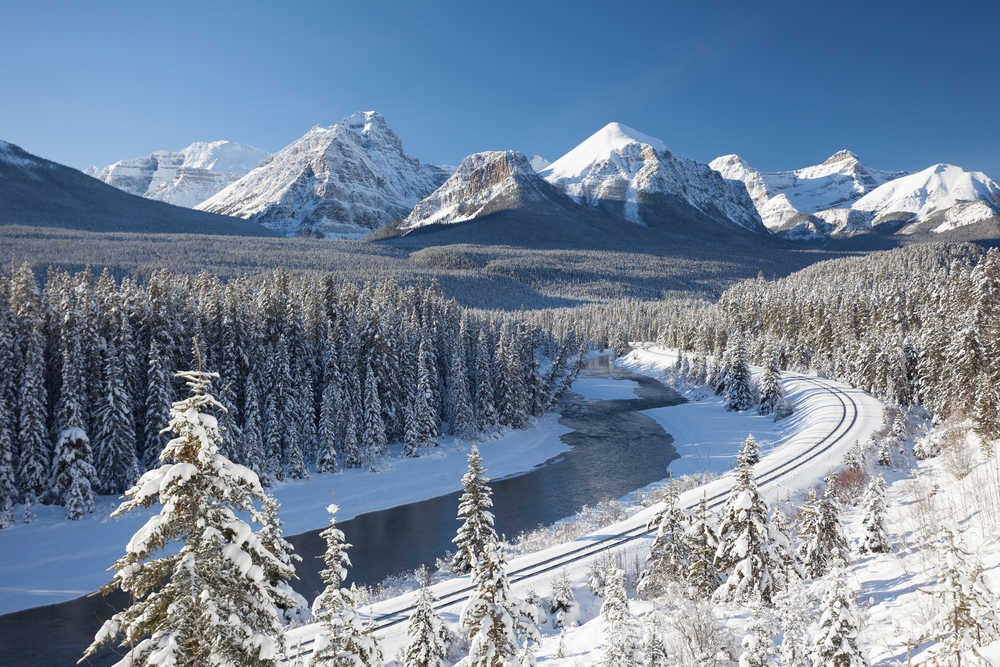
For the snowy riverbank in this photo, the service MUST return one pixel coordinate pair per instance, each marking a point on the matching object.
(52, 559)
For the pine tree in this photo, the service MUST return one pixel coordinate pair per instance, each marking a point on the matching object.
(563, 601)
(745, 544)
(702, 574)
(422, 424)
(159, 397)
(491, 617)
(749, 452)
(374, 439)
(621, 640)
(330, 408)
(668, 554)
(426, 632)
(825, 545)
(74, 475)
(33, 462)
(116, 463)
(885, 452)
(794, 609)
(789, 571)
(209, 602)
(8, 483)
(654, 650)
(486, 411)
(771, 393)
(967, 616)
(875, 539)
(757, 646)
(287, 425)
(835, 634)
(253, 427)
(461, 415)
(344, 638)
(474, 513)
(280, 571)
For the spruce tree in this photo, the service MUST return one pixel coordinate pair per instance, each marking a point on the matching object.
(563, 601)
(344, 639)
(738, 391)
(374, 439)
(287, 424)
(793, 609)
(668, 554)
(757, 645)
(115, 461)
(8, 483)
(621, 634)
(875, 539)
(749, 452)
(702, 574)
(835, 634)
(654, 650)
(331, 405)
(771, 393)
(486, 410)
(745, 544)
(159, 397)
(421, 418)
(966, 609)
(461, 415)
(73, 473)
(209, 602)
(33, 461)
(426, 644)
(253, 426)
(474, 513)
(825, 545)
(280, 571)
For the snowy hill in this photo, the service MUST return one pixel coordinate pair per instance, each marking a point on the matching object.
(484, 183)
(186, 177)
(538, 163)
(342, 180)
(843, 197)
(39, 192)
(635, 175)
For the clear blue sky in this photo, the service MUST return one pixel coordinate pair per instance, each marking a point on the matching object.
(903, 84)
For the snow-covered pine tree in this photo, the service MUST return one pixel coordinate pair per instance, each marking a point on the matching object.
(563, 602)
(33, 461)
(253, 427)
(280, 571)
(115, 460)
(771, 393)
(668, 555)
(825, 545)
(8, 484)
(875, 539)
(159, 397)
(474, 513)
(491, 618)
(967, 616)
(73, 473)
(885, 452)
(486, 409)
(72, 392)
(745, 544)
(421, 417)
(654, 650)
(427, 635)
(209, 602)
(793, 609)
(757, 644)
(374, 439)
(621, 634)
(330, 417)
(739, 395)
(835, 634)
(781, 532)
(749, 452)
(286, 425)
(702, 575)
(344, 639)
(461, 414)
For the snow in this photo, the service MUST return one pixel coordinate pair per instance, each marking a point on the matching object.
(538, 162)
(16, 156)
(619, 163)
(818, 413)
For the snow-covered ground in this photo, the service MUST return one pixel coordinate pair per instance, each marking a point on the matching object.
(53, 559)
(708, 438)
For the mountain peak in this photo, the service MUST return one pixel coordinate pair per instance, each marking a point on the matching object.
(616, 135)
(843, 155)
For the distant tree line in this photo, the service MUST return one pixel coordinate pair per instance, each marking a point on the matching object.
(315, 374)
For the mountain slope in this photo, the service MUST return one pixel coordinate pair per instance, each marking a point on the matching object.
(342, 180)
(634, 175)
(39, 192)
(783, 197)
(186, 177)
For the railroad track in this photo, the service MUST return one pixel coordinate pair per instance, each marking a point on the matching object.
(848, 418)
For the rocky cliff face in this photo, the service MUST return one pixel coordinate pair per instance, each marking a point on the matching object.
(344, 180)
(184, 178)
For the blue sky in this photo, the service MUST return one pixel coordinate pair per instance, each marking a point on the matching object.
(783, 85)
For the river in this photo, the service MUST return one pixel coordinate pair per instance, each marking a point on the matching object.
(615, 449)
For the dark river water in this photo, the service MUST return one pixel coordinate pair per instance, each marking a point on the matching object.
(615, 450)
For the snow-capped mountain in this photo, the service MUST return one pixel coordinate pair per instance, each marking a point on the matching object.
(620, 167)
(538, 163)
(38, 192)
(186, 177)
(484, 183)
(342, 180)
(843, 197)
